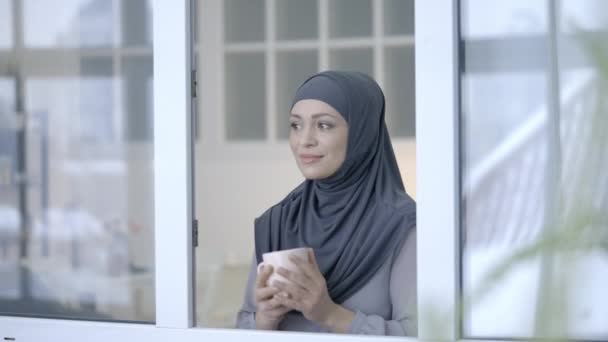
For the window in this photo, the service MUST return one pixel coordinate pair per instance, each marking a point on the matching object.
(6, 24)
(532, 173)
(76, 189)
(252, 56)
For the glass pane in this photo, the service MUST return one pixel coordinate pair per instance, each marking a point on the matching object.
(350, 18)
(297, 19)
(10, 217)
(398, 17)
(7, 95)
(534, 201)
(68, 23)
(244, 20)
(245, 100)
(496, 109)
(136, 22)
(293, 68)
(137, 83)
(99, 66)
(97, 100)
(85, 248)
(352, 59)
(518, 17)
(6, 24)
(590, 15)
(400, 92)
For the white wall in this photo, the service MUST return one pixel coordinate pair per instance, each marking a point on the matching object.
(231, 192)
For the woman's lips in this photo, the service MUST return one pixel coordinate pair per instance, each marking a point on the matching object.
(309, 158)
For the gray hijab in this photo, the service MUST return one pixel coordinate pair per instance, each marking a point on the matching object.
(357, 218)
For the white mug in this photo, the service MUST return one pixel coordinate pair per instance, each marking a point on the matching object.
(281, 259)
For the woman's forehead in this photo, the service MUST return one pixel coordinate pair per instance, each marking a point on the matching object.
(314, 108)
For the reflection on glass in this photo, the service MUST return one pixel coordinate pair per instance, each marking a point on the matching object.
(89, 207)
(76, 197)
(490, 112)
(350, 18)
(535, 180)
(244, 20)
(579, 15)
(245, 96)
(137, 76)
(360, 59)
(398, 17)
(6, 24)
(400, 91)
(70, 23)
(297, 19)
(136, 22)
(292, 69)
(7, 95)
(518, 17)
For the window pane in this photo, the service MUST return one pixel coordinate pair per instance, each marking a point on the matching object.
(293, 68)
(85, 248)
(245, 100)
(6, 24)
(579, 15)
(137, 83)
(136, 22)
(535, 204)
(353, 60)
(350, 18)
(398, 17)
(68, 23)
(244, 20)
(297, 19)
(518, 17)
(400, 91)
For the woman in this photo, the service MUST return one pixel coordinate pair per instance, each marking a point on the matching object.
(352, 210)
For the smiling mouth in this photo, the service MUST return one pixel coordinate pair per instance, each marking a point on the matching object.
(310, 159)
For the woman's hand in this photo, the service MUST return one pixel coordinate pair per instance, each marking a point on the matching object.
(269, 311)
(307, 292)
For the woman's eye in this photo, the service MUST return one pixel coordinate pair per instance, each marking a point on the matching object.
(294, 125)
(325, 125)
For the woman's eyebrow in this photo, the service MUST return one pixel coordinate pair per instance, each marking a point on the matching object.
(314, 116)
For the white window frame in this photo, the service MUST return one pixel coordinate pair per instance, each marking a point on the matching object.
(437, 188)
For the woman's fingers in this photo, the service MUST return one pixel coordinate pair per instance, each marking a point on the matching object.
(300, 278)
(290, 303)
(276, 310)
(272, 305)
(263, 276)
(265, 293)
(291, 290)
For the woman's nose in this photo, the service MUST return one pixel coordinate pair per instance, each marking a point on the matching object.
(308, 137)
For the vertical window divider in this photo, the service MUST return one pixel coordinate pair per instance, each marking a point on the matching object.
(173, 212)
(222, 66)
(378, 41)
(271, 81)
(323, 34)
(117, 89)
(437, 169)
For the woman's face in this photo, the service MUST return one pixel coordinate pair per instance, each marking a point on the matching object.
(318, 138)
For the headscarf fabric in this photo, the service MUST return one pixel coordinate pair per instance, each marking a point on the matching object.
(358, 217)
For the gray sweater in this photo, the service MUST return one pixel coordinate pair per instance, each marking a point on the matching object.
(386, 305)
